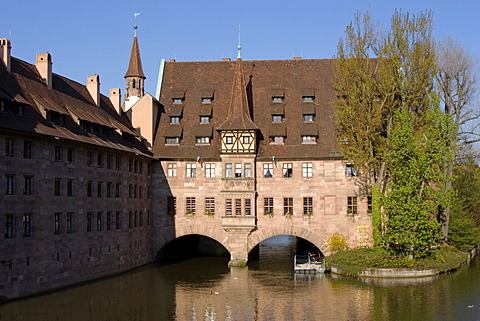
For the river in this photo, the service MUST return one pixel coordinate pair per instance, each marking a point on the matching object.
(205, 289)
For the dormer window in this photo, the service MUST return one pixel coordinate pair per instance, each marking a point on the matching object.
(207, 96)
(308, 118)
(277, 118)
(206, 100)
(308, 95)
(309, 139)
(277, 99)
(178, 101)
(174, 119)
(20, 110)
(172, 140)
(204, 119)
(203, 140)
(277, 140)
(308, 98)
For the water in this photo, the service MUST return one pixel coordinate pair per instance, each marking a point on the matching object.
(205, 289)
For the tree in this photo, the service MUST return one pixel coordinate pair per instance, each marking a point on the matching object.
(457, 83)
(370, 91)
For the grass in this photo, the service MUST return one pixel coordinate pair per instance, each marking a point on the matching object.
(352, 262)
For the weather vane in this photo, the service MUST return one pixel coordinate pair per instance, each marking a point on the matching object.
(135, 15)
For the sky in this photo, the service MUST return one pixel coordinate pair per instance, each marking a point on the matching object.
(95, 36)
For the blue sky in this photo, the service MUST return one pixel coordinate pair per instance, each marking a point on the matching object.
(95, 37)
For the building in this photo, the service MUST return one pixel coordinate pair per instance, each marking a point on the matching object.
(237, 151)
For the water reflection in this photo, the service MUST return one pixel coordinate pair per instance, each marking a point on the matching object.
(205, 289)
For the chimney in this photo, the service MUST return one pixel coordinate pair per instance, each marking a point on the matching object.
(93, 86)
(44, 67)
(297, 58)
(5, 53)
(226, 59)
(116, 99)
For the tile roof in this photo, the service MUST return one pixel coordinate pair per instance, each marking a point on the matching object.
(289, 79)
(67, 97)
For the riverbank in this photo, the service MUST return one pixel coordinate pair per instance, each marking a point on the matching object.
(377, 263)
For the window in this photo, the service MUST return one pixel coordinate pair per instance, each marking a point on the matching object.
(308, 98)
(69, 155)
(130, 219)
(247, 170)
(109, 221)
(130, 191)
(277, 139)
(369, 205)
(287, 170)
(203, 140)
(210, 205)
(140, 192)
(309, 139)
(174, 119)
(69, 187)
(135, 218)
(204, 119)
(307, 170)
(350, 170)
(99, 160)
(287, 205)
(140, 167)
(9, 147)
(246, 139)
(268, 170)
(135, 191)
(57, 186)
(228, 170)
(229, 139)
(228, 206)
(140, 218)
(130, 165)
(238, 170)
(352, 205)
(172, 170)
(69, 222)
(9, 184)
(27, 224)
(247, 206)
(206, 100)
(117, 190)
(172, 140)
(27, 185)
(27, 149)
(190, 206)
(99, 221)
(90, 159)
(109, 189)
(56, 223)
(209, 170)
(308, 117)
(307, 205)
(8, 227)
(191, 170)
(135, 166)
(117, 162)
(277, 118)
(89, 189)
(117, 220)
(268, 205)
(238, 206)
(171, 205)
(99, 189)
(277, 99)
(177, 100)
(109, 161)
(89, 221)
(58, 154)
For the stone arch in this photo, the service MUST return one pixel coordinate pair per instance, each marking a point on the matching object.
(264, 233)
(218, 235)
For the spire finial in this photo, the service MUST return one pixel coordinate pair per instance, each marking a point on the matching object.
(135, 15)
(239, 47)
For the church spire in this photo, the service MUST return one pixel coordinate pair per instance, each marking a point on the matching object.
(238, 117)
(134, 76)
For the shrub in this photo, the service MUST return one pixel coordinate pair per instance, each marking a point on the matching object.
(338, 242)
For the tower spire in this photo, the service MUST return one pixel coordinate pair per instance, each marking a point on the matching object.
(134, 76)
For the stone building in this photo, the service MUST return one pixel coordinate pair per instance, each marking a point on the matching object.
(237, 151)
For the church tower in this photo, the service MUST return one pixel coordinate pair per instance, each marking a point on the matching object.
(134, 76)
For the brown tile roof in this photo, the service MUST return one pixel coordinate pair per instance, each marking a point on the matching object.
(266, 78)
(67, 97)
(135, 65)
